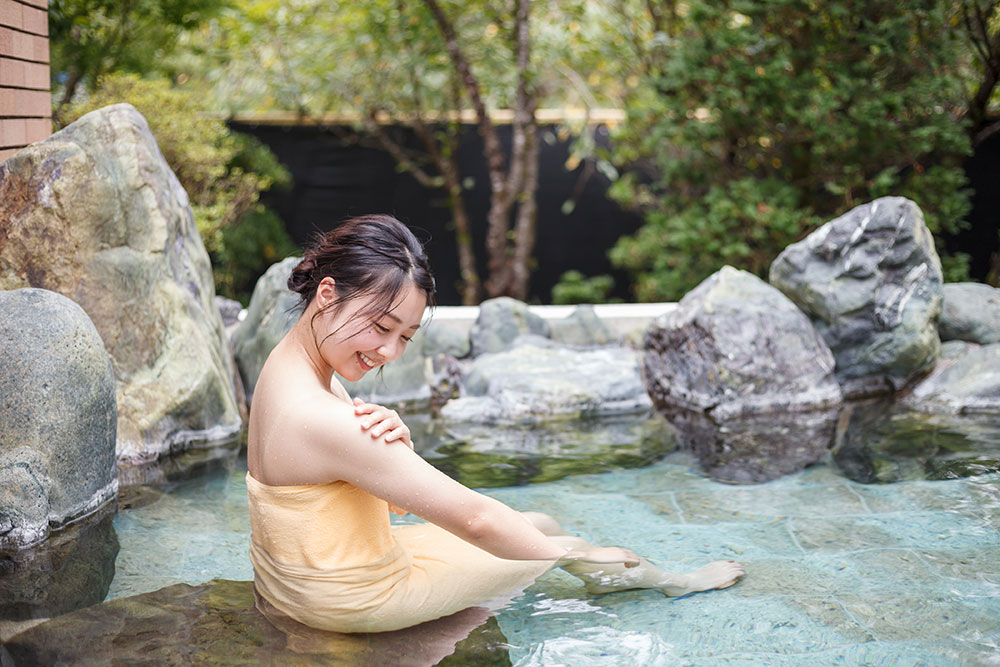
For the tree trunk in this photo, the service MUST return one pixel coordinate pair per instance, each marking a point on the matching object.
(508, 259)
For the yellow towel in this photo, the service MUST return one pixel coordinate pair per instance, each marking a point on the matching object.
(326, 556)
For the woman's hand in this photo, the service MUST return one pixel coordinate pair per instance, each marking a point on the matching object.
(380, 421)
(607, 555)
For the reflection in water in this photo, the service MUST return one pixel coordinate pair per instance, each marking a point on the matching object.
(72, 569)
(139, 486)
(484, 455)
(878, 442)
(217, 623)
(757, 448)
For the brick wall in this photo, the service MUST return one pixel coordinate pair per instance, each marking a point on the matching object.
(25, 100)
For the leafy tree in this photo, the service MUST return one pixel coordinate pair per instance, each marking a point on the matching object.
(91, 38)
(222, 172)
(427, 65)
(755, 121)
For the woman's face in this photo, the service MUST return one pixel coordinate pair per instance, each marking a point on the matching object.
(352, 353)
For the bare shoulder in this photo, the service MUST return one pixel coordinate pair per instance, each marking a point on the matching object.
(295, 435)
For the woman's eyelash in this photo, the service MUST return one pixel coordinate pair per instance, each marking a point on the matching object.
(407, 339)
(381, 328)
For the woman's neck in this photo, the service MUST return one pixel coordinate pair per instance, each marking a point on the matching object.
(305, 345)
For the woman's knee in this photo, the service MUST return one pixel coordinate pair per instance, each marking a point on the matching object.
(544, 523)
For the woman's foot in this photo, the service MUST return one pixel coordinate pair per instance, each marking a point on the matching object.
(720, 574)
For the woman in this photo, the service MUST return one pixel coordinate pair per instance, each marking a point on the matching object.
(324, 470)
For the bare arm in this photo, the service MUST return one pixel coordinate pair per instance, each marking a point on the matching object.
(340, 450)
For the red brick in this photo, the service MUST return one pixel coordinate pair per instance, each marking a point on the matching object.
(17, 44)
(11, 13)
(35, 21)
(40, 49)
(13, 132)
(12, 73)
(37, 129)
(41, 4)
(33, 103)
(6, 42)
(36, 75)
(8, 102)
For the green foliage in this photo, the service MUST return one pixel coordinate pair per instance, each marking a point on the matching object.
(248, 248)
(759, 120)
(90, 38)
(573, 287)
(222, 172)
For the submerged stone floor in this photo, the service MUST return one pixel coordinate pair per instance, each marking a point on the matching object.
(837, 573)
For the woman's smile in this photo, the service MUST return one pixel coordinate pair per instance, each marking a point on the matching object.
(367, 363)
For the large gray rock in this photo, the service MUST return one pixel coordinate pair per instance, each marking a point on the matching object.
(737, 346)
(538, 380)
(57, 416)
(966, 379)
(270, 315)
(442, 339)
(94, 213)
(870, 281)
(970, 312)
(583, 327)
(500, 322)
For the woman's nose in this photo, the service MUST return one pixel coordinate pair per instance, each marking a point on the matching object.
(391, 350)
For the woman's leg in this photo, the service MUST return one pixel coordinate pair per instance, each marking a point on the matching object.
(605, 578)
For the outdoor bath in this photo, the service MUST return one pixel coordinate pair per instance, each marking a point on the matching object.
(838, 572)
(819, 431)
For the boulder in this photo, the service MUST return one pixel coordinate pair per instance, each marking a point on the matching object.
(970, 312)
(57, 416)
(500, 322)
(878, 442)
(966, 379)
(94, 213)
(737, 346)
(870, 281)
(271, 313)
(537, 380)
(218, 623)
(443, 339)
(583, 327)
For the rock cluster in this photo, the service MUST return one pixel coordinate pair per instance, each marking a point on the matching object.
(95, 213)
(505, 370)
(753, 376)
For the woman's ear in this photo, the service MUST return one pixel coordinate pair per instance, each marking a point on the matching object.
(326, 292)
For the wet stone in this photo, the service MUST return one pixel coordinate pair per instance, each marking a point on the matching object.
(217, 623)
(70, 570)
(870, 281)
(878, 442)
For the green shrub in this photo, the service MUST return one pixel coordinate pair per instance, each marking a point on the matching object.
(573, 287)
(759, 120)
